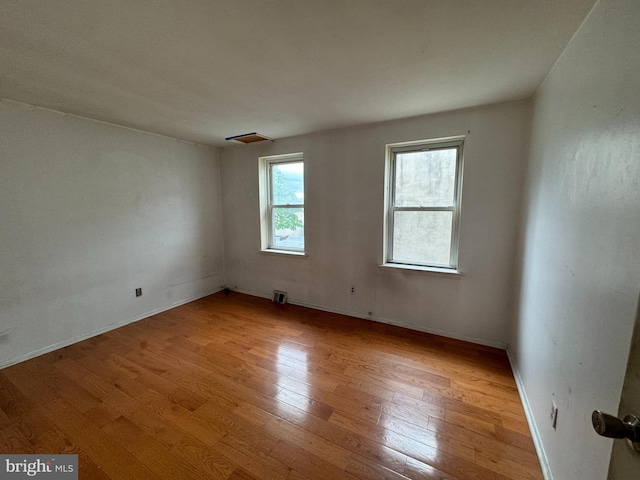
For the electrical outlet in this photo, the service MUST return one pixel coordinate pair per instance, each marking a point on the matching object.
(353, 289)
(554, 415)
(138, 292)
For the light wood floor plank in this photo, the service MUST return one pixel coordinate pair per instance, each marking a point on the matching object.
(236, 387)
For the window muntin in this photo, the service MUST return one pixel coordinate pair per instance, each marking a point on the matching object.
(283, 206)
(423, 207)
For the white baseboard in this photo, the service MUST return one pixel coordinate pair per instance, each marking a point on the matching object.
(535, 434)
(387, 321)
(93, 333)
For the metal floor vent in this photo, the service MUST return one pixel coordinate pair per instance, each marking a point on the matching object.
(279, 297)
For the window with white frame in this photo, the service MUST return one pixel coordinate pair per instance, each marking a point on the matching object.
(282, 203)
(424, 191)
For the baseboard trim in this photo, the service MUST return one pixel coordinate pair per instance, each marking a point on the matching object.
(386, 321)
(107, 328)
(535, 434)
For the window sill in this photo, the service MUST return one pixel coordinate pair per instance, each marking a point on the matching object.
(290, 253)
(441, 272)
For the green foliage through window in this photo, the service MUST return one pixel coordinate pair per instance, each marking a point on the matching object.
(287, 218)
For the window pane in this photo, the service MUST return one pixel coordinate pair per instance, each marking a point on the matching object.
(288, 227)
(287, 183)
(425, 179)
(422, 237)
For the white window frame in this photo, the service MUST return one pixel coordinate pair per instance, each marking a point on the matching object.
(390, 208)
(265, 165)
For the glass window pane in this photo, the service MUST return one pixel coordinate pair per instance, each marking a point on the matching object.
(425, 179)
(422, 237)
(288, 227)
(287, 183)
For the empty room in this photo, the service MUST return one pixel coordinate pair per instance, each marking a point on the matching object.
(320, 239)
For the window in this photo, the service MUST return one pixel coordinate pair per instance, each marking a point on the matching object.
(424, 190)
(282, 203)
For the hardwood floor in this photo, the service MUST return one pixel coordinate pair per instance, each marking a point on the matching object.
(236, 387)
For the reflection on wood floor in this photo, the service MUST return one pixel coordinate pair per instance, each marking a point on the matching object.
(236, 387)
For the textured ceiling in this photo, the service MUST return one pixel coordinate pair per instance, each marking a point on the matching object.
(203, 70)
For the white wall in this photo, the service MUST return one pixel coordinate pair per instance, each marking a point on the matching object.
(343, 224)
(89, 212)
(581, 251)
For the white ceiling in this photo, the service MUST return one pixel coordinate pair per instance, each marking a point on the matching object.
(203, 70)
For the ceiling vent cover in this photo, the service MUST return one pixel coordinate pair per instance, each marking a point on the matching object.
(248, 138)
